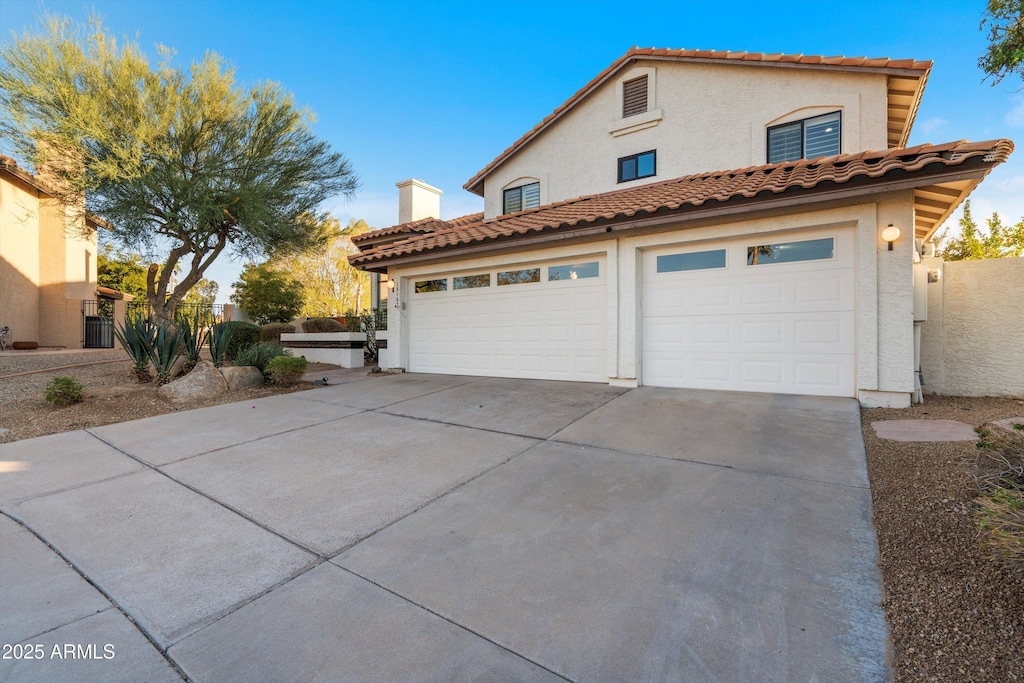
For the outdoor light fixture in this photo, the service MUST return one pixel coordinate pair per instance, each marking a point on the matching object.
(391, 284)
(891, 234)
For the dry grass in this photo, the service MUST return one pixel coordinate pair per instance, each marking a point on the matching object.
(999, 510)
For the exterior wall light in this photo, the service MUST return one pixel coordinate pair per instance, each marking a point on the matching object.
(891, 234)
(391, 285)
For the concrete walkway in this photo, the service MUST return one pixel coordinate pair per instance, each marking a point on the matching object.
(440, 528)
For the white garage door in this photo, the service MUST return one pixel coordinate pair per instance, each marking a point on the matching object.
(538, 321)
(767, 314)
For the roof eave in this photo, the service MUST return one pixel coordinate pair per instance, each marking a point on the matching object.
(857, 187)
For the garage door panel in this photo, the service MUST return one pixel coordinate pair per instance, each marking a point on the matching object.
(553, 330)
(778, 327)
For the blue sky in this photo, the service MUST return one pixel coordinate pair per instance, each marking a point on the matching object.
(435, 90)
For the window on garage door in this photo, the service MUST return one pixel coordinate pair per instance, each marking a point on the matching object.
(790, 252)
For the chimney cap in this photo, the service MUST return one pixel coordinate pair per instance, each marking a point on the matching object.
(418, 183)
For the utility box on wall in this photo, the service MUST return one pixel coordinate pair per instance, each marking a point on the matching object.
(920, 292)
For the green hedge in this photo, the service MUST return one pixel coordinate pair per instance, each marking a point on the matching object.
(273, 331)
(315, 325)
(242, 335)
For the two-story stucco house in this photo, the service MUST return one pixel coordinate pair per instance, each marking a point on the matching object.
(47, 261)
(701, 219)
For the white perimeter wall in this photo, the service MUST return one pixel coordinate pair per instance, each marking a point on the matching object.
(973, 341)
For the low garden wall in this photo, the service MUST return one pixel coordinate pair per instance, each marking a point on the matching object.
(337, 348)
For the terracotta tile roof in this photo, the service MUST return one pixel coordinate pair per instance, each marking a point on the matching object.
(422, 226)
(880, 64)
(692, 192)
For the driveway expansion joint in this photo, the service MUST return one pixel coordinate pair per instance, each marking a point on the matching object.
(455, 623)
(113, 603)
(733, 468)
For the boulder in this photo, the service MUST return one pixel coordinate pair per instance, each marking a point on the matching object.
(204, 381)
(242, 377)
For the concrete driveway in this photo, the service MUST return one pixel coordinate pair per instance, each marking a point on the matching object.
(439, 528)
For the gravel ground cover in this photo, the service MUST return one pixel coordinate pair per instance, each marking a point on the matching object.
(112, 394)
(956, 613)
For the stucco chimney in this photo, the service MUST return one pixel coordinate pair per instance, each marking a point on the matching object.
(417, 200)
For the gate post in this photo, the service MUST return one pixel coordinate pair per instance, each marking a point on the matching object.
(120, 313)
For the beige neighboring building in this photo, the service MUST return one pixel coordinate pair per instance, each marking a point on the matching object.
(696, 219)
(47, 261)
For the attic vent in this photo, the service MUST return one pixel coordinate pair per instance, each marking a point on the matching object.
(634, 96)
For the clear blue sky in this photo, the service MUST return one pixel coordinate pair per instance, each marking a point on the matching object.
(435, 90)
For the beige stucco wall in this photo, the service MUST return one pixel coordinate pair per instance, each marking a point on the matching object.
(884, 298)
(47, 265)
(973, 341)
(702, 117)
(19, 261)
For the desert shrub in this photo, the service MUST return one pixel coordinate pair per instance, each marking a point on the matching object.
(242, 335)
(260, 354)
(64, 391)
(273, 331)
(999, 510)
(314, 325)
(286, 369)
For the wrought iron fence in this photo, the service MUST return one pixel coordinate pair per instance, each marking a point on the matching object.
(208, 313)
(98, 323)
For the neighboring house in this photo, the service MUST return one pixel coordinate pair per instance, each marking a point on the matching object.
(616, 245)
(47, 261)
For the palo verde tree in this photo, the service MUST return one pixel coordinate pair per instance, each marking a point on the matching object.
(185, 163)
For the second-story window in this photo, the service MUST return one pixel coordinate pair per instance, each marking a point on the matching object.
(643, 165)
(807, 139)
(521, 198)
(634, 96)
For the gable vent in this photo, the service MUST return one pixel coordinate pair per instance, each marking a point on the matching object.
(634, 96)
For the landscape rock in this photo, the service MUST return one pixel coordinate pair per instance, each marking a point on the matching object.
(203, 382)
(242, 377)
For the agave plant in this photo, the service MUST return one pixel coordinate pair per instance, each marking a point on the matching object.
(165, 349)
(260, 354)
(136, 338)
(193, 337)
(219, 338)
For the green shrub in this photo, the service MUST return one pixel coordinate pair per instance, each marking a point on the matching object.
(314, 325)
(242, 335)
(260, 354)
(273, 331)
(286, 369)
(64, 391)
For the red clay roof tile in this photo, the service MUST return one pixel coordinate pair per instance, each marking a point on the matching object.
(691, 191)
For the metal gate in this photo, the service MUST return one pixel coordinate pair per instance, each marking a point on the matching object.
(98, 324)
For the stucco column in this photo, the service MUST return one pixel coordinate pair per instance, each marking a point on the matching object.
(120, 313)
